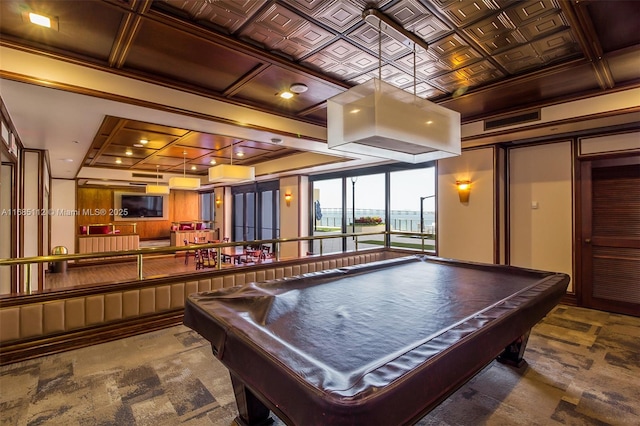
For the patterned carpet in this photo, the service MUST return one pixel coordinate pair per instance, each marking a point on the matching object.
(583, 369)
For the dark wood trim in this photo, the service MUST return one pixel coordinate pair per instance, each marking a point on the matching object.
(501, 203)
(610, 154)
(507, 207)
(16, 194)
(582, 196)
(40, 218)
(517, 81)
(580, 22)
(161, 107)
(220, 39)
(498, 171)
(570, 300)
(577, 223)
(41, 164)
(242, 81)
(574, 229)
(544, 125)
(129, 28)
(312, 109)
(160, 151)
(34, 348)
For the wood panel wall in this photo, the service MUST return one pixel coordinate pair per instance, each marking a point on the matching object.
(183, 206)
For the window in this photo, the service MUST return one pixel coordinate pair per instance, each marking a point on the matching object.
(256, 211)
(207, 206)
(327, 217)
(367, 215)
(356, 202)
(413, 194)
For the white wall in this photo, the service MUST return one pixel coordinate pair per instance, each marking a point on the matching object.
(63, 222)
(290, 216)
(541, 208)
(466, 231)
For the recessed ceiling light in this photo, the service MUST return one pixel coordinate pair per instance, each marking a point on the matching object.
(276, 141)
(240, 154)
(41, 20)
(194, 168)
(298, 88)
(144, 141)
(286, 95)
(129, 152)
(354, 111)
(212, 161)
(138, 145)
(118, 161)
(67, 160)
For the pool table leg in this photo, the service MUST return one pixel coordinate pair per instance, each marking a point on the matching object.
(514, 353)
(251, 411)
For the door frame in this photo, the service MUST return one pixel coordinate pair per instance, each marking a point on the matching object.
(583, 199)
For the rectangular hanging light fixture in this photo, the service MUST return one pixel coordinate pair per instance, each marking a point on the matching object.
(184, 182)
(228, 173)
(231, 173)
(157, 189)
(378, 119)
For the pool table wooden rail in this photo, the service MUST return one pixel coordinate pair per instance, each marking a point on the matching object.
(398, 392)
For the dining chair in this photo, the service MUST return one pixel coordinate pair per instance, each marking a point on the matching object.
(186, 253)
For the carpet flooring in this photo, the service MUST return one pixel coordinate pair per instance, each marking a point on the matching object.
(583, 368)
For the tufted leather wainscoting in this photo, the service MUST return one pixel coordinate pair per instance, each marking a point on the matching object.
(38, 324)
(102, 243)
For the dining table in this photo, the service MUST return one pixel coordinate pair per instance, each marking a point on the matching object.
(234, 255)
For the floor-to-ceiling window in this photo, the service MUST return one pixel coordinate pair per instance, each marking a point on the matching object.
(395, 198)
(256, 211)
(207, 207)
(413, 207)
(366, 209)
(327, 214)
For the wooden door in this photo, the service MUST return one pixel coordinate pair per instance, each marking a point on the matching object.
(610, 235)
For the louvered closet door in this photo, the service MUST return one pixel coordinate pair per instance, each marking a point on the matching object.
(611, 235)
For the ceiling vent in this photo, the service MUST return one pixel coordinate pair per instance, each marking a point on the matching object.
(511, 120)
(145, 175)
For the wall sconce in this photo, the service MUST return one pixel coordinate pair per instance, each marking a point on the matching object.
(464, 189)
(287, 198)
(218, 202)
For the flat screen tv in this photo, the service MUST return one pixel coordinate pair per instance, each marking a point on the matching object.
(141, 206)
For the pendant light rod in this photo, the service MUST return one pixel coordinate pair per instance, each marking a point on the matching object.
(380, 50)
(377, 19)
(184, 163)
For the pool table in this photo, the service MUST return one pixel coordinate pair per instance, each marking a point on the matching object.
(378, 344)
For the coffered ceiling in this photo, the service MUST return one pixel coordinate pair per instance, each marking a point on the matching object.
(145, 146)
(485, 58)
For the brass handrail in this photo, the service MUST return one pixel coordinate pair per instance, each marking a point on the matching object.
(174, 249)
